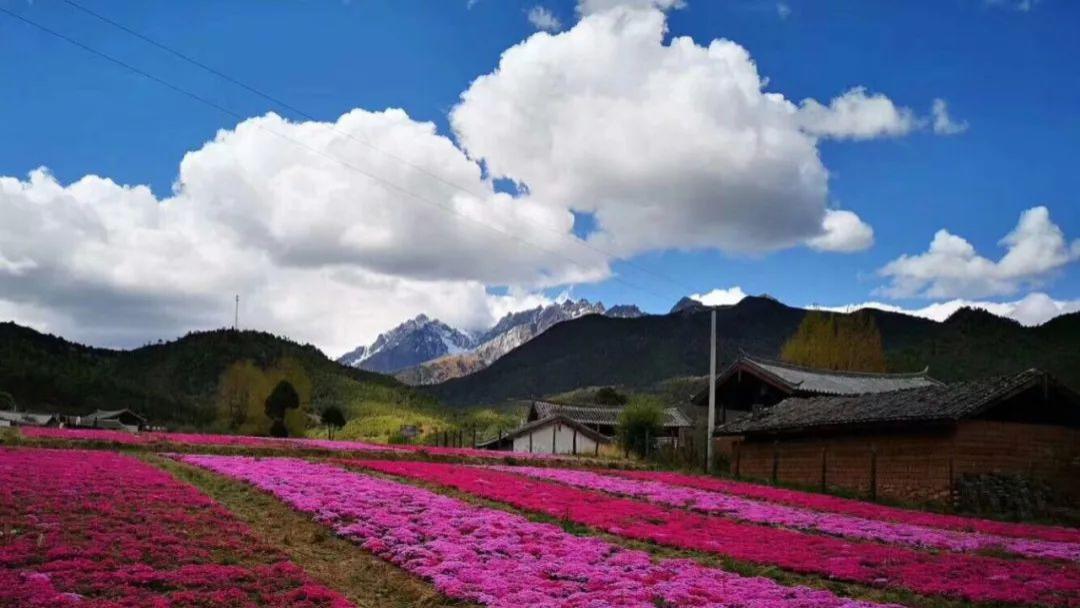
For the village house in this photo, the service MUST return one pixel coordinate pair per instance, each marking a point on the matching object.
(554, 434)
(577, 429)
(12, 418)
(917, 444)
(754, 382)
(604, 420)
(124, 420)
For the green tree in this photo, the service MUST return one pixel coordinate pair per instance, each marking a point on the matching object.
(843, 342)
(639, 423)
(333, 418)
(7, 402)
(278, 404)
(609, 396)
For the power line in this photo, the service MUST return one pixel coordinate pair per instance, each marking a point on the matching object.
(380, 180)
(292, 108)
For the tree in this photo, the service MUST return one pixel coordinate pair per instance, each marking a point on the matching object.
(333, 418)
(241, 392)
(282, 399)
(609, 396)
(290, 370)
(639, 423)
(7, 402)
(838, 342)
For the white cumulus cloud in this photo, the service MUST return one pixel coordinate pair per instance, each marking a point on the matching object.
(952, 268)
(588, 7)
(672, 145)
(943, 123)
(844, 232)
(318, 250)
(543, 19)
(720, 296)
(856, 115)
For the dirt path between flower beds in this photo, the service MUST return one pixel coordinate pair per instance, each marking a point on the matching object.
(339, 564)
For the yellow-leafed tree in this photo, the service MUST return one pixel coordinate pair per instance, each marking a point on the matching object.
(244, 388)
(838, 342)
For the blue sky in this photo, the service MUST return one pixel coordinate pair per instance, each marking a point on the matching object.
(1008, 73)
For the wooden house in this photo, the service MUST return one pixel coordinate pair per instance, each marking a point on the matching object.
(753, 383)
(916, 444)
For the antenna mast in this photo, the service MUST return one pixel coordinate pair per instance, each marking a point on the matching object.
(236, 313)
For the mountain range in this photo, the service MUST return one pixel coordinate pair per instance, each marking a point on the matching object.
(177, 382)
(426, 351)
(596, 350)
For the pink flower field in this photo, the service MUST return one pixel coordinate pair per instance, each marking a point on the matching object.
(102, 530)
(955, 575)
(497, 558)
(821, 502)
(760, 512)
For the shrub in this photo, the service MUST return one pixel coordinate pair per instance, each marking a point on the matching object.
(639, 424)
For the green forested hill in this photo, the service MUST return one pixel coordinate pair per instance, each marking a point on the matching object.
(179, 382)
(600, 351)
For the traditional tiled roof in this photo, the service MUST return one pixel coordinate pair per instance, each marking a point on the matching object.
(106, 414)
(602, 415)
(808, 380)
(535, 424)
(30, 418)
(934, 403)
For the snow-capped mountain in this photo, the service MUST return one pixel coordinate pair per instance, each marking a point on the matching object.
(510, 332)
(425, 351)
(411, 343)
(543, 317)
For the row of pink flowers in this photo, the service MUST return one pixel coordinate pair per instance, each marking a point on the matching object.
(205, 439)
(98, 529)
(103, 435)
(964, 576)
(834, 504)
(759, 512)
(498, 558)
(197, 439)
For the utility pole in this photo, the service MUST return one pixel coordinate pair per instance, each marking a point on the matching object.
(712, 396)
(236, 314)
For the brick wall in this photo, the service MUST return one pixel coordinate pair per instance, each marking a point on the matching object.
(915, 467)
(1045, 452)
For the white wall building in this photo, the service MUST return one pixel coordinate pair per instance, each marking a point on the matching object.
(552, 435)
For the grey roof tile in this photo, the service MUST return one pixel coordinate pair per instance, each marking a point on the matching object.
(937, 402)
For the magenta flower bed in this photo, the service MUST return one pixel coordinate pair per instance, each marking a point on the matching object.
(206, 439)
(97, 529)
(822, 502)
(745, 509)
(498, 558)
(971, 577)
(198, 439)
(37, 432)
(266, 442)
